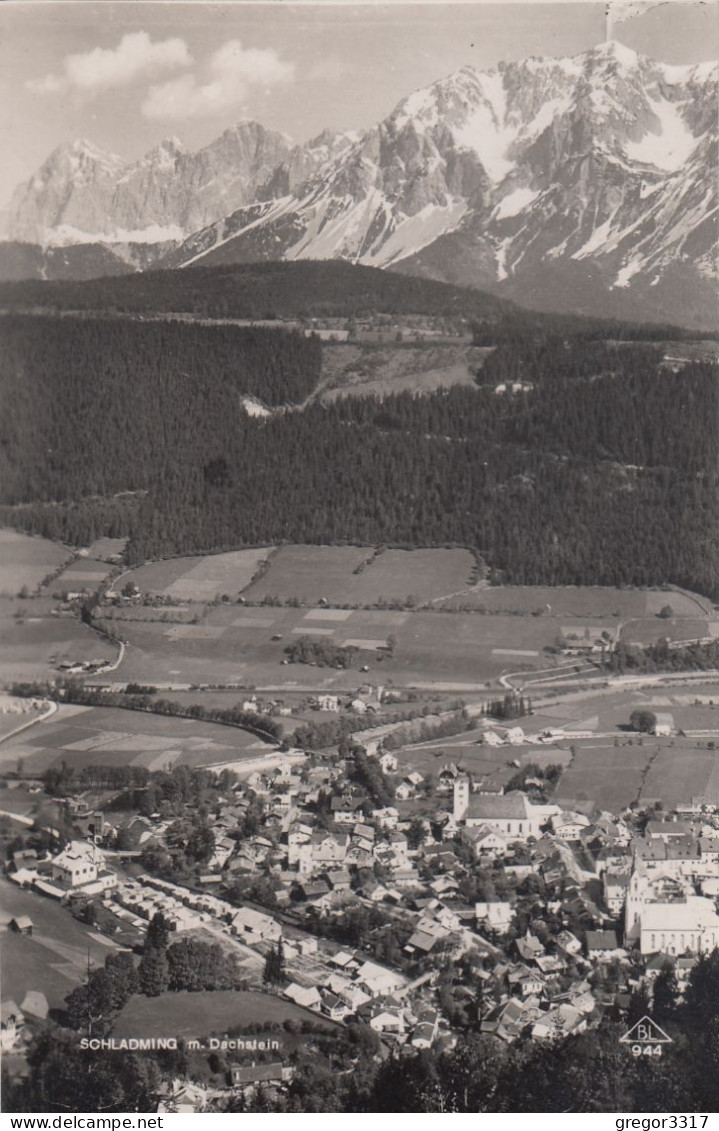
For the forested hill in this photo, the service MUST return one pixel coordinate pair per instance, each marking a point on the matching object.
(311, 289)
(604, 471)
(97, 406)
(261, 290)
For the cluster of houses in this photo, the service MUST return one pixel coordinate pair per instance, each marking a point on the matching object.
(576, 910)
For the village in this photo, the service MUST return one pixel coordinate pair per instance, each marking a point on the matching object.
(420, 910)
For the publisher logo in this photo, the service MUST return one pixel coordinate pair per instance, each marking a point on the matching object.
(646, 1038)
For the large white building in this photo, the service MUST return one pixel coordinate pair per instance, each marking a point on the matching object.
(510, 814)
(81, 865)
(663, 914)
(678, 928)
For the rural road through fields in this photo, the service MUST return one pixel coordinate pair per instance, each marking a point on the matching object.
(50, 710)
(27, 821)
(529, 677)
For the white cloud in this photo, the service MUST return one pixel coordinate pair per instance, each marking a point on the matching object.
(233, 70)
(134, 57)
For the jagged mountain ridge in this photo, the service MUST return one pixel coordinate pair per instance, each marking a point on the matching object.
(81, 194)
(580, 183)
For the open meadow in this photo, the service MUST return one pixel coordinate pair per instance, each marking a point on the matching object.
(33, 643)
(608, 776)
(82, 575)
(375, 370)
(668, 770)
(55, 959)
(680, 772)
(357, 575)
(310, 573)
(578, 601)
(614, 767)
(605, 764)
(199, 578)
(245, 645)
(105, 736)
(490, 765)
(25, 561)
(445, 631)
(648, 630)
(107, 549)
(197, 1015)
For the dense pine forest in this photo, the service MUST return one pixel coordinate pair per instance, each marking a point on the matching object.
(601, 470)
(96, 406)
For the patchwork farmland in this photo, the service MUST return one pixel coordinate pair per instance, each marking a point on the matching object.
(341, 594)
(199, 578)
(419, 620)
(246, 646)
(83, 736)
(82, 575)
(614, 776)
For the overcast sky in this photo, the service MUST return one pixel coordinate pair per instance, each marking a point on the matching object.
(126, 74)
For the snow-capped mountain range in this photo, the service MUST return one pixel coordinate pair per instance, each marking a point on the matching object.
(583, 183)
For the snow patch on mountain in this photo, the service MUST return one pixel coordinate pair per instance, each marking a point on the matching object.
(628, 271)
(486, 130)
(415, 232)
(65, 235)
(514, 202)
(669, 147)
(597, 239)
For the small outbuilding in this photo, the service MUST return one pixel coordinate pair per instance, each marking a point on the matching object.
(21, 924)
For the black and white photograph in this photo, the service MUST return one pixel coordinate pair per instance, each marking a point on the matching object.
(359, 560)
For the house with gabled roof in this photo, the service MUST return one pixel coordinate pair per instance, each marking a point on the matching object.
(379, 979)
(508, 1021)
(339, 879)
(601, 944)
(421, 942)
(559, 1022)
(307, 996)
(529, 947)
(496, 914)
(615, 886)
(316, 892)
(486, 841)
(254, 926)
(247, 1077)
(388, 1020)
(21, 924)
(388, 762)
(333, 1005)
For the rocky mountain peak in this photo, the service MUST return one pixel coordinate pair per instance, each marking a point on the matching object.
(564, 181)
